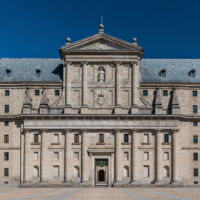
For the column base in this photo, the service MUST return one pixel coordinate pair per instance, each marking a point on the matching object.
(117, 109)
(134, 109)
(85, 184)
(176, 183)
(68, 109)
(84, 109)
(121, 183)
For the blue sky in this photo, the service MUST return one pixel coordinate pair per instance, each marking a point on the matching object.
(37, 28)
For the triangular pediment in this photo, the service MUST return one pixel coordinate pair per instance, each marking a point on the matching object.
(100, 42)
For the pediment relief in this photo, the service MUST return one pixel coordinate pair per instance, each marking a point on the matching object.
(100, 46)
(100, 42)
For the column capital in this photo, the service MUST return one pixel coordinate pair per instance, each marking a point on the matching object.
(117, 130)
(84, 63)
(68, 62)
(84, 131)
(117, 63)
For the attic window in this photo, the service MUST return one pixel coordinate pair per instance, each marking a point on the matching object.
(38, 72)
(8, 72)
(192, 73)
(162, 73)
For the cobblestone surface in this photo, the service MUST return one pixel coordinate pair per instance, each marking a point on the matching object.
(100, 193)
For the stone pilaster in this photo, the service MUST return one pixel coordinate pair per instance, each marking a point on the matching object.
(84, 84)
(84, 158)
(134, 159)
(67, 84)
(68, 156)
(134, 87)
(42, 155)
(175, 158)
(118, 158)
(26, 155)
(117, 84)
(158, 157)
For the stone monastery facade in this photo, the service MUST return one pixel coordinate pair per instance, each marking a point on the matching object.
(100, 115)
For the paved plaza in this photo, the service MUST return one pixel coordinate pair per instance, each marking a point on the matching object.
(99, 193)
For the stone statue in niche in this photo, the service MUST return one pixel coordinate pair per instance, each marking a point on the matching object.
(101, 74)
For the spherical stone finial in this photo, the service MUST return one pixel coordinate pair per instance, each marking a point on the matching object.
(101, 28)
(68, 39)
(134, 40)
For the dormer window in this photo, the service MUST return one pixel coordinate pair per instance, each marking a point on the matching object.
(192, 73)
(38, 72)
(162, 73)
(8, 72)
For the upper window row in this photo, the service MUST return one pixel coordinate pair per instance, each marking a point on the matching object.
(165, 93)
(191, 73)
(56, 92)
(9, 72)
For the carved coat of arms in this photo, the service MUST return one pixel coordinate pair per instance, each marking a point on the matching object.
(101, 99)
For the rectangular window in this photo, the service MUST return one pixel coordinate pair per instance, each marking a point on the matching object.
(6, 138)
(195, 109)
(196, 182)
(146, 171)
(76, 155)
(37, 92)
(6, 172)
(195, 156)
(126, 156)
(145, 92)
(195, 123)
(166, 138)
(101, 138)
(165, 93)
(76, 138)
(57, 92)
(6, 155)
(56, 171)
(166, 155)
(56, 138)
(194, 93)
(6, 123)
(125, 138)
(35, 155)
(56, 155)
(7, 93)
(36, 138)
(195, 172)
(146, 138)
(6, 108)
(146, 155)
(195, 139)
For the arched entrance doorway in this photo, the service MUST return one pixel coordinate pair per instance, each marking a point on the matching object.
(101, 175)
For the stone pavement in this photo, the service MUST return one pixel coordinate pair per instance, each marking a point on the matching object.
(139, 193)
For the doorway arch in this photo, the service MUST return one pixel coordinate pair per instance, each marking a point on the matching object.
(101, 175)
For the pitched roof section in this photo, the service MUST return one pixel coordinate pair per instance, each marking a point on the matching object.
(177, 70)
(24, 70)
(100, 42)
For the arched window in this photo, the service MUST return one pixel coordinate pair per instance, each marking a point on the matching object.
(166, 171)
(101, 74)
(126, 172)
(35, 171)
(38, 72)
(76, 171)
(192, 73)
(163, 73)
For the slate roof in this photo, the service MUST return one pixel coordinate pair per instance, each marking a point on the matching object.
(177, 70)
(24, 70)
